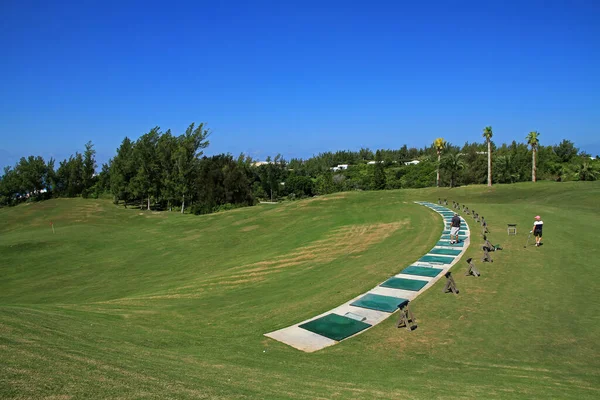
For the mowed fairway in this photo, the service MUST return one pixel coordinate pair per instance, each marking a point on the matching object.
(122, 303)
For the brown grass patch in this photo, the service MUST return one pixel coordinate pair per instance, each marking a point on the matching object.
(319, 199)
(249, 228)
(196, 236)
(244, 221)
(345, 241)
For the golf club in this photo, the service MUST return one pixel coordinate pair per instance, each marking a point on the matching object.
(528, 236)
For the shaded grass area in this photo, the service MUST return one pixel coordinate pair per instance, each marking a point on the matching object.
(130, 304)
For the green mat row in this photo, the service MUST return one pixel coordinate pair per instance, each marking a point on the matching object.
(378, 302)
(421, 271)
(460, 237)
(445, 252)
(437, 259)
(447, 243)
(447, 232)
(405, 284)
(335, 326)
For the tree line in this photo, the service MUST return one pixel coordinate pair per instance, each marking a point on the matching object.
(163, 171)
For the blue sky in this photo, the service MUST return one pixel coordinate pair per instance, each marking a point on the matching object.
(296, 77)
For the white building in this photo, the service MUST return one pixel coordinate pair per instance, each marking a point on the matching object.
(340, 167)
(259, 163)
(413, 162)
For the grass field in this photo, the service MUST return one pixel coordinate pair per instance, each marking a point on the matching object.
(121, 303)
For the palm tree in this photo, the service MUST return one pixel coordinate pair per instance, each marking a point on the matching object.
(453, 164)
(440, 145)
(533, 141)
(586, 172)
(487, 134)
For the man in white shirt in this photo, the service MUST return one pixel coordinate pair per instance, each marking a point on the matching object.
(538, 224)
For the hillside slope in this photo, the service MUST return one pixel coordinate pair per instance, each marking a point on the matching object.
(130, 304)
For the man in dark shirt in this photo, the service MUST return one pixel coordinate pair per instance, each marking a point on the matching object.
(454, 228)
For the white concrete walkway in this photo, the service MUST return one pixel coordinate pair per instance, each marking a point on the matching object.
(308, 341)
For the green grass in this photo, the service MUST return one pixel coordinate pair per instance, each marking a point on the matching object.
(128, 304)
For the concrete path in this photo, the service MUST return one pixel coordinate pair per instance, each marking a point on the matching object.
(308, 341)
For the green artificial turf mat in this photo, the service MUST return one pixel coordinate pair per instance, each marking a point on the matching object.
(460, 237)
(446, 252)
(379, 302)
(421, 271)
(447, 232)
(335, 326)
(447, 243)
(437, 259)
(406, 284)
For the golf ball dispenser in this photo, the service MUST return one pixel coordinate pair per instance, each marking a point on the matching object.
(472, 269)
(407, 319)
(486, 254)
(450, 284)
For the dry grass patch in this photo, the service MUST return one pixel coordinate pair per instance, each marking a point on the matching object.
(347, 240)
(244, 221)
(351, 240)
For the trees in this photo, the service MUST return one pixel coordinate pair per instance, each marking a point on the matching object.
(170, 170)
(122, 170)
(487, 134)
(166, 151)
(32, 171)
(453, 163)
(299, 186)
(221, 182)
(88, 168)
(187, 157)
(586, 172)
(378, 172)
(9, 187)
(147, 178)
(505, 169)
(565, 151)
(440, 145)
(533, 141)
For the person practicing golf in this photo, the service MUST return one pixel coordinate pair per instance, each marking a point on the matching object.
(454, 228)
(537, 230)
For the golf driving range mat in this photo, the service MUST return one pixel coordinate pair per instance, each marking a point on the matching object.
(421, 271)
(375, 306)
(447, 232)
(379, 302)
(335, 326)
(437, 259)
(447, 243)
(460, 237)
(405, 284)
(445, 252)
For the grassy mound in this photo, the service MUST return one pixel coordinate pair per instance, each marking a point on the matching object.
(131, 304)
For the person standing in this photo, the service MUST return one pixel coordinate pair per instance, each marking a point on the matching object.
(538, 224)
(454, 228)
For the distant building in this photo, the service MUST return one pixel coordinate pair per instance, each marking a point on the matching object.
(259, 163)
(340, 167)
(413, 162)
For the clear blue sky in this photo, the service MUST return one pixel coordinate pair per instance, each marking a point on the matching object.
(296, 77)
